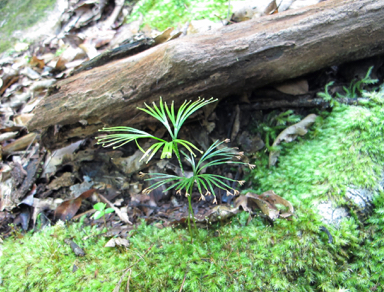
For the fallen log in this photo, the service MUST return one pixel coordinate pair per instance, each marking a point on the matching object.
(220, 63)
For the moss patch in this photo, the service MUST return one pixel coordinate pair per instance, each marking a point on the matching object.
(168, 13)
(292, 256)
(345, 147)
(19, 15)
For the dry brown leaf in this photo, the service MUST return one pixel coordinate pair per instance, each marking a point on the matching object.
(220, 213)
(175, 36)
(7, 82)
(294, 87)
(8, 135)
(30, 73)
(67, 209)
(23, 119)
(56, 158)
(44, 204)
(43, 84)
(117, 242)
(66, 180)
(265, 207)
(266, 202)
(290, 134)
(242, 201)
(274, 199)
(36, 62)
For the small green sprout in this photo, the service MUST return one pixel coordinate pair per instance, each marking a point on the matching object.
(355, 89)
(101, 211)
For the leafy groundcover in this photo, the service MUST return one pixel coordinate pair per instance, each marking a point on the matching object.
(344, 147)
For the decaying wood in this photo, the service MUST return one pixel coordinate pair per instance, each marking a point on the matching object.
(221, 63)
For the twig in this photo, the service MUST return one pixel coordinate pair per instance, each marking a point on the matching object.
(129, 278)
(182, 284)
(117, 288)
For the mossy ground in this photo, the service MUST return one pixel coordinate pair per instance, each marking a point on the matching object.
(170, 13)
(344, 147)
(20, 15)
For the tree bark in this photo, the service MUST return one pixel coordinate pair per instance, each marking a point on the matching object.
(221, 63)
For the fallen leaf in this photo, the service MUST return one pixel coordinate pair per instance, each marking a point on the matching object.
(268, 209)
(67, 209)
(57, 157)
(290, 134)
(36, 62)
(40, 85)
(7, 136)
(23, 119)
(44, 204)
(242, 201)
(117, 242)
(66, 180)
(266, 202)
(30, 73)
(294, 87)
(272, 198)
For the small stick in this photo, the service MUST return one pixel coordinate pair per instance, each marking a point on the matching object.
(129, 279)
(182, 284)
(76, 249)
(117, 288)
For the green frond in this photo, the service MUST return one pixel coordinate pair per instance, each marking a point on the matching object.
(188, 145)
(152, 151)
(121, 138)
(158, 114)
(191, 161)
(167, 150)
(162, 113)
(187, 109)
(216, 180)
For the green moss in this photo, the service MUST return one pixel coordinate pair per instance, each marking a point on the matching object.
(291, 256)
(19, 15)
(167, 13)
(344, 148)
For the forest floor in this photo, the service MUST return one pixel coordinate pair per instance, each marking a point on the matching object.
(308, 217)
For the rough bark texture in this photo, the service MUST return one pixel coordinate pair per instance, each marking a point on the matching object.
(221, 63)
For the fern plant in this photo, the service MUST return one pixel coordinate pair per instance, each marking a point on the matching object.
(205, 182)
(214, 156)
(164, 114)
